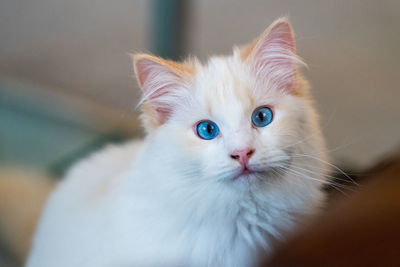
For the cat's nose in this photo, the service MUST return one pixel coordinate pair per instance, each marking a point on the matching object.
(243, 156)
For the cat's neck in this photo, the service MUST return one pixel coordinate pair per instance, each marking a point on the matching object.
(207, 205)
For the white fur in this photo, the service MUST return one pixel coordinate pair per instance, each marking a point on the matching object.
(171, 201)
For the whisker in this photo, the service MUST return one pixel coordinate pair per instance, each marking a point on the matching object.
(333, 184)
(330, 164)
(324, 175)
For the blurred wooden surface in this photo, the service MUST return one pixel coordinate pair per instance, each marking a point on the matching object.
(361, 230)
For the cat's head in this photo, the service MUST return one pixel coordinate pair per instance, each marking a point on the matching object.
(236, 117)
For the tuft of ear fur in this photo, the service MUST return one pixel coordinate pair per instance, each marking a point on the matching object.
(272, 57)
(164, 84)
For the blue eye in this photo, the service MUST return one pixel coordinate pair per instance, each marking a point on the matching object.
(207, 130)
(261, 117)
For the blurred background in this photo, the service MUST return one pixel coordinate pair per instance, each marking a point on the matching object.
(67, 84)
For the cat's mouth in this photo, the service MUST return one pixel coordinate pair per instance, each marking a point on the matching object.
(247, 173)
(252, 172)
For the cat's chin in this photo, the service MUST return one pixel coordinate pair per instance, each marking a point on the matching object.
(247, 176)
(244, 174)
(252, 175)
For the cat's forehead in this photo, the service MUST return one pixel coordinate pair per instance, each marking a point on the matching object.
(224, 86)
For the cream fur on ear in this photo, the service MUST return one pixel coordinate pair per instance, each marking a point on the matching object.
(164, 84)
(273, 58)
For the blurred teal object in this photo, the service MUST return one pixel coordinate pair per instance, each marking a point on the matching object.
(34, 134)
(57, 168)
(168, 22)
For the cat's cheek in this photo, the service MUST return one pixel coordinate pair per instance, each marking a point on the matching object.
(193, 144)
(201, 150)
(269, 139)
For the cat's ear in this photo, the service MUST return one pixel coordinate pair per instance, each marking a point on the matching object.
(272, 56)
(164, 83)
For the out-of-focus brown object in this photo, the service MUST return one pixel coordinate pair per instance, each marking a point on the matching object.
(22, 196)
(360, 230)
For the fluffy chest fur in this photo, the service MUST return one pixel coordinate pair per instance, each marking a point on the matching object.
(233, 160)
(131, 217)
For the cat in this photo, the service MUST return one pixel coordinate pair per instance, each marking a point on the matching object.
(233, 161)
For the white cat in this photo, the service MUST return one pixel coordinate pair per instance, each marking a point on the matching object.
(232, 161)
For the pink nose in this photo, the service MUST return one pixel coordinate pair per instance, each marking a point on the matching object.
(242, 156)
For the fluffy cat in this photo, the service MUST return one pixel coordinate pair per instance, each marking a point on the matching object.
(233, 160)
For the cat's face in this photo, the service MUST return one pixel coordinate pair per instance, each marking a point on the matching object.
(236, 118)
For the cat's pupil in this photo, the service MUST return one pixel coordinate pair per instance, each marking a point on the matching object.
(209, 128)
(261, 115)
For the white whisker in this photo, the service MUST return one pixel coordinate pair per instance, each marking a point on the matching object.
(333, 184)
(324, 175)
(330, 164)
